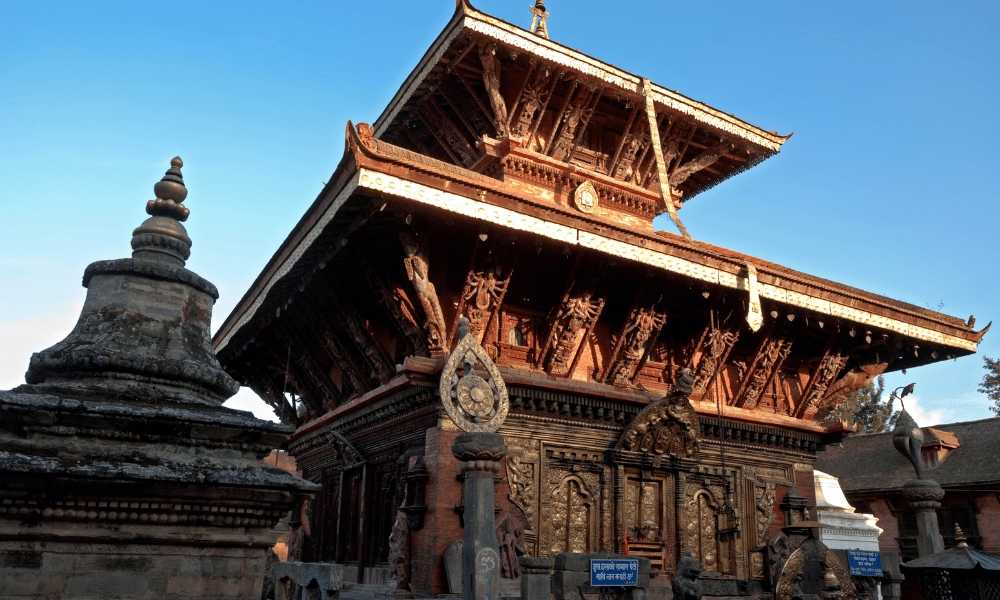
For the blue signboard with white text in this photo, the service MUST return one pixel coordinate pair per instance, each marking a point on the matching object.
(614, 572)
(864, 563)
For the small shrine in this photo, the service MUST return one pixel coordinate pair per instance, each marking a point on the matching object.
(123, 475)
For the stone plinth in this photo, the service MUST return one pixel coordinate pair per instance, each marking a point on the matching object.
(123, 475)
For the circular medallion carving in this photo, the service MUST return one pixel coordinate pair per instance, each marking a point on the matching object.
(472, 391)
(585, 197)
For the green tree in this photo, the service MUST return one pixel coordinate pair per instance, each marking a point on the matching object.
(990, 385)
(864, 408)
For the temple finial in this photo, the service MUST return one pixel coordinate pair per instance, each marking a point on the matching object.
(539, 19)
(960, 540)
(170, 193)
(161, 237)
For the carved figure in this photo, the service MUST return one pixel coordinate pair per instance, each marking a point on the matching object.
(417, 272)
(533, 98)
(576, 315)
(772, 353)
(667, 427)
(681, 173)
(575, 115)
(483, 293)
(491, 79)
(399, 551)
(717, 344)
(908, 439)
(631, 147)
(640, 331)
(521, 480)
(685, 584)
(829, 367)
(510, 532)
(764, 508)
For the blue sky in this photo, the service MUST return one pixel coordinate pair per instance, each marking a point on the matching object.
(890, 183)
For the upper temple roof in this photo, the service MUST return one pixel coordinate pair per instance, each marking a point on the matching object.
(562, 103)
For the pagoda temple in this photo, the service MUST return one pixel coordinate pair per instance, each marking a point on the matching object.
(663, 390)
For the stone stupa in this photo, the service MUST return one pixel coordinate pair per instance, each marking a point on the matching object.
(123, 476)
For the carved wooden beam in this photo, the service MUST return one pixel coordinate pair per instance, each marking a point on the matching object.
(466, 108)
(771, 353)
(681, 173)
(571, 324)
(481, 299)
(315, 387)
(337, 352)
(574, 123)
(263, 385)
(417, 271)
(637, 336)
(364, 342)
(561, 116)
(645, 168)
(447, 133)
(715, 345)
(396, 303)
(852, 381)
(533, 66)
(829, 367)
(626, 135)
(491, 79)
(534, 98)
(481, 109)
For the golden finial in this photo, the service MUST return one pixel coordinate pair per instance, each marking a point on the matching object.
(539, 19)
(170, 193)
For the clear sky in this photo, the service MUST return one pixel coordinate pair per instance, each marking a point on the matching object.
(890, 183)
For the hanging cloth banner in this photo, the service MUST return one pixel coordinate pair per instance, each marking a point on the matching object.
(661, 167)
(755, 316)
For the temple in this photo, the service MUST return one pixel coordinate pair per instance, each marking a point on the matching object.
(663, 390)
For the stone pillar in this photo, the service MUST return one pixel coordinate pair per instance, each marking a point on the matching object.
(480, 453)
(924, 497)
(536, 577)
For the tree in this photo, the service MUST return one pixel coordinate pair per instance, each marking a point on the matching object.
(990, 385)
(863, 408)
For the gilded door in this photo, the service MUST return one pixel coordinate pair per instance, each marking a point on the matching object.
(648, 518)
(573, 511)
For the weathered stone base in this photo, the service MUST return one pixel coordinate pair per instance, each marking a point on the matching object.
(78, 570)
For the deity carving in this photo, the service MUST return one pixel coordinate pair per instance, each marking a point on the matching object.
(510, 528)
(669, 426)
(771, 354)
(576, 116)
(701, 527)
(399, 551)
(417, 269)
(829, 367)
(716, 346)
(803, 575)
(491, 79)
(573, 319)
(532, 100)
(631, 147)
(685, 584)
(483, 294)
(641, 329)
(707, 158)
(521, 480)
(763, 494)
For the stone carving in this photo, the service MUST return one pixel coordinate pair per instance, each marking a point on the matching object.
(669, 426)
(472, 402)
(802, 575)
(511, 526)
(778, 551)
(908, 438)
(417, 269)
(491, 79)
(573, 319)
(685, 584)
(770, 356)
(399, 551)
(641, 329)
(483, 294)
(717, 344)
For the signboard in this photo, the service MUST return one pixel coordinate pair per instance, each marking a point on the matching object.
(864, 563)
(614, 572)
